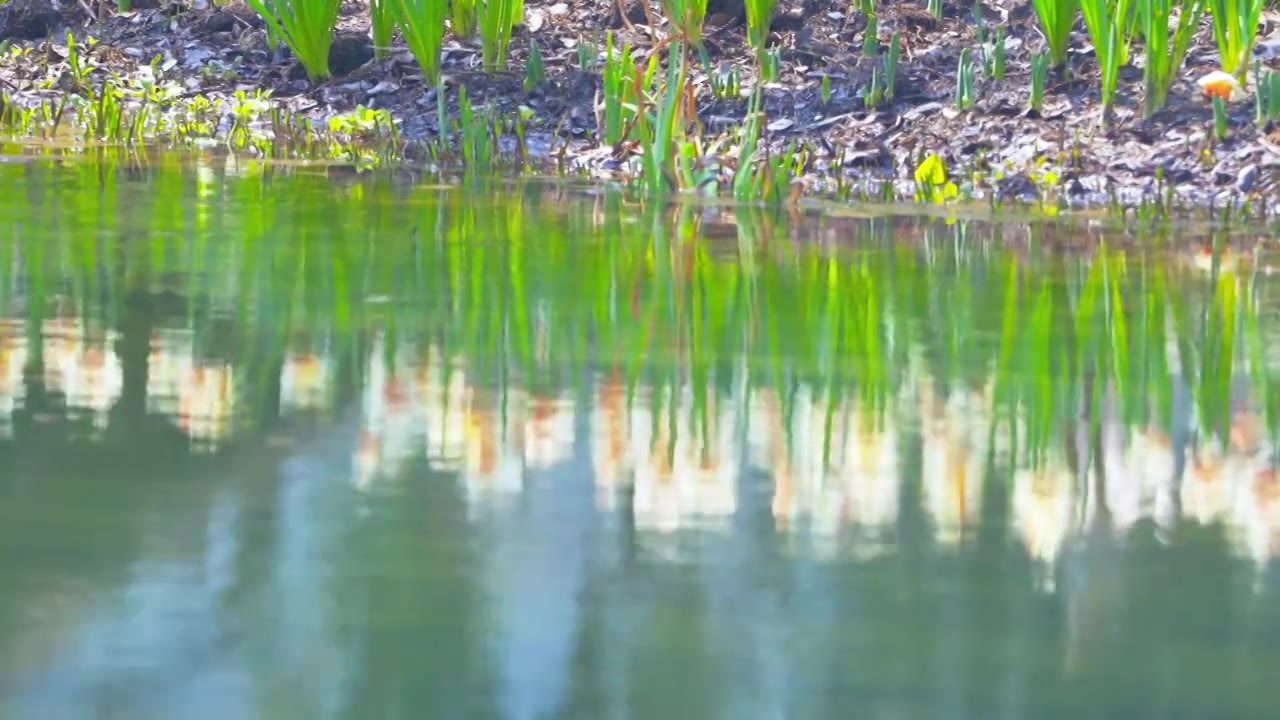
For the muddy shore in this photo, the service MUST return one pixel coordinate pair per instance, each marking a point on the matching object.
(998, 148)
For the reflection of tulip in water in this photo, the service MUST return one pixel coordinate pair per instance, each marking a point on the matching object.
(305, 383)
(1237, 486)
(610, 456)
(389, 422)
(206, 402)
(549, 431)
(13, 358)
(682, 475)
(845, 477)
(1207, 485)
(1044, 501)
(1258, 514)
(442, 391)
(494, 463)
(197, 395)
(870, 474)
(86, 372)
(1139, 476)
(169, 357)
(955, 448)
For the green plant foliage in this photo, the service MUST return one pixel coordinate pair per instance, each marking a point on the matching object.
(759, 15)
(305, 27)
(1107, 23)
(382, 22)
(534, 70)
(1056, 18)
(1039, 75)
(1167, 44)
(497, 18)
(422, 25)
(1235, 28)
(686, 17)
(462, 18)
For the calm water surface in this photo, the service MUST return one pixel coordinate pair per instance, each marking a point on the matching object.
(279, 443)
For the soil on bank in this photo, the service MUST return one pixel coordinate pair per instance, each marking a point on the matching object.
(1007, 150)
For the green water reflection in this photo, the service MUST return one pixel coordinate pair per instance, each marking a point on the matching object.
(289, 443)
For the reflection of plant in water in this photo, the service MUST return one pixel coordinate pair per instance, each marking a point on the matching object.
(707, 333)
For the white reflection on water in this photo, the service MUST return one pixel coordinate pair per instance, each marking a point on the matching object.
(835, 469)
(83, 366)
(955, 430)
(197, 394)
(306, 382)
(13, 360)
(686, 467)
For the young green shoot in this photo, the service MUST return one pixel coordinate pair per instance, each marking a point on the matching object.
(1219, 118)
(588, 55)
(1039, 74)
(998, 64)
(771, 69)
(534, 70)
(935, 8)
(621, 96)
(725, 83)
(474, 127)
(874, 95)
(891, 66)
(964, 81)
(826, 89)
(1267, 94)
(870, 39)
(306, 27)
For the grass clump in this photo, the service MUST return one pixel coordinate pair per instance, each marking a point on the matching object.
(422, 25)
(1056, 18)
(462, 18)
(1106, 21)
(382, 23)
(305, 27)
(1235, 28)
(687, 16)
(1166, 45)
(497, 18)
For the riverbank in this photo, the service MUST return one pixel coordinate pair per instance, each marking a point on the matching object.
(205, 72)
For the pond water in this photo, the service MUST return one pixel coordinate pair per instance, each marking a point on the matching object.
(286, 442)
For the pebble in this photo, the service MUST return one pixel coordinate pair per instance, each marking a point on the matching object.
(1247, 178)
